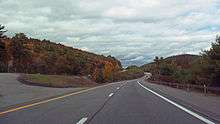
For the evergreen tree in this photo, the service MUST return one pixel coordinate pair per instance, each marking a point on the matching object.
(2, 31)
(3, 55)
(212, 60)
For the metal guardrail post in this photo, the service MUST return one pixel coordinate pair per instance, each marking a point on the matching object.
(205, 88)
(187, 87)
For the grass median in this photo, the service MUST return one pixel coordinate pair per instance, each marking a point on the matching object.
(60, 81)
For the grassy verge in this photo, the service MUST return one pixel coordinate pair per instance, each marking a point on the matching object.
(56, 80)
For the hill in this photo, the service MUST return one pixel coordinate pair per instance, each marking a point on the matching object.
(188, 69)
(21, 54)
(177, 69)
(182, 61)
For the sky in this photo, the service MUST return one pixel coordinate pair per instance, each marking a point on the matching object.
(133, 31)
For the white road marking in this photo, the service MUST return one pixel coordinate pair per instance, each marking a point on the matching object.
(179, 106)
(82, 121)
(111, 94)
(118, 88)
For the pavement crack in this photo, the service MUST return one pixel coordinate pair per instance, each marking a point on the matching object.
(103, 105)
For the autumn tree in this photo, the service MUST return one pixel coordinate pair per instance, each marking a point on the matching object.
(108, 71)
(20, 53)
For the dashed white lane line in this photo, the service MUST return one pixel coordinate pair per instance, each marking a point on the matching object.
(179, 106)
(82, 121)
(111, 94)
(118, 88)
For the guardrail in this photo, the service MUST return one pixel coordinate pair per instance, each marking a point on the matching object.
(190, 87)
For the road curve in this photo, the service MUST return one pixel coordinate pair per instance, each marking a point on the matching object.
(118, 103)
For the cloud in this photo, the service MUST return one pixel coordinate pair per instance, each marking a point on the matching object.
(133, 31)
(137, 58)
(120, 12)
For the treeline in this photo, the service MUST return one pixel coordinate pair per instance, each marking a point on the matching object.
(22, 54)
(131, 72)
(192, 69)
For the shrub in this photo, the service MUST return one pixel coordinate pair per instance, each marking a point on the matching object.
(166, 69)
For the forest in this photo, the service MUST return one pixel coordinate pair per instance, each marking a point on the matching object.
(188, 69)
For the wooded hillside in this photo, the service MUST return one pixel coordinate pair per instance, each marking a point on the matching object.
(191, 69)
(27, 55)
(182, 61)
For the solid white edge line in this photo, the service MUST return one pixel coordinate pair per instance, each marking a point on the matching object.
(110, 94)
(178, 106)
(82, 121)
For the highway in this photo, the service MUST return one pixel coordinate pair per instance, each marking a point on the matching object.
(128, 102)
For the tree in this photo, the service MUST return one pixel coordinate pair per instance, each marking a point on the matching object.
(166, 69)
(156, 59)
(212, 60)
(98, 75)
(20, 53)
(183, 76)
(3, 54)
(2, 31)
(158, 62)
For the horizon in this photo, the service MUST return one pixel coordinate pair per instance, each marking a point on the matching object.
(141, 31)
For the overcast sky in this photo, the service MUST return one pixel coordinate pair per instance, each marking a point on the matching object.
(134, 31)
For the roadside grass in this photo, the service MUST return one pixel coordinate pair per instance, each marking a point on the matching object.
(56, 80)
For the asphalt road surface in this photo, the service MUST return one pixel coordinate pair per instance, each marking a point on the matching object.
(13, 92)
(128, 102)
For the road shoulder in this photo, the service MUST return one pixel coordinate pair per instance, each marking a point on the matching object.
(207, 105)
